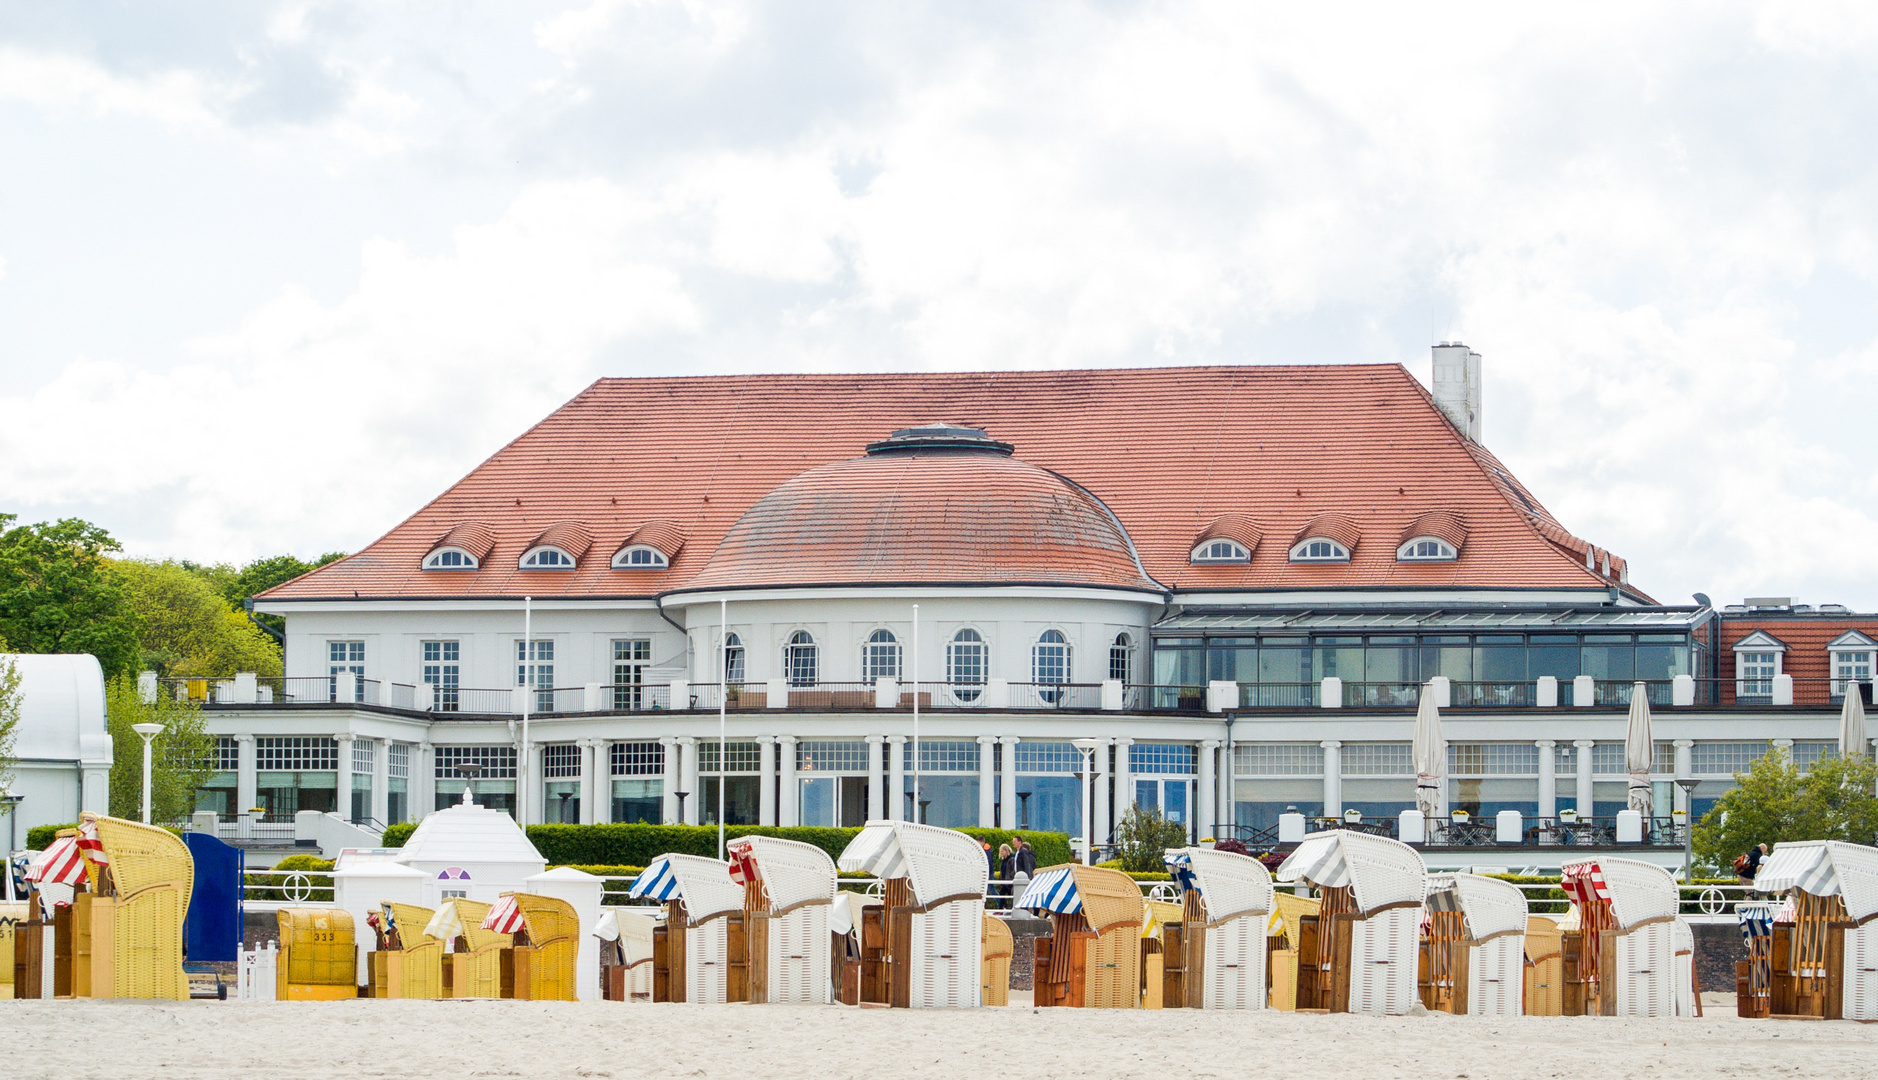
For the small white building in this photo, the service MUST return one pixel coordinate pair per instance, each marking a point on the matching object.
(472, 852)
(63, 744)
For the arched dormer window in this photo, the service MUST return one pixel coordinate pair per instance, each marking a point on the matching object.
(640, 557)
(1426, 549)
(880, 656)
(1319, 549)
(450, 558)
(801, 659)
(547, 557)
(1221, 551)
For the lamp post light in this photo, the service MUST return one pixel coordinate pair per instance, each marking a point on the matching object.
(681, 805)
(1687, 784)
(1088, 749)
(148, 731)
(468, 770)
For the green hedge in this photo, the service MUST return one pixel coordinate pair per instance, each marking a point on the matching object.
(637, 845)
(1552, 901)
(265, 886)
(40, 837)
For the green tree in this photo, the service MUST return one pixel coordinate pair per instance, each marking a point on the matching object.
(1774, 802)
(187, 628)
(1143, 836)
(9, 715)
(236, 586)
(181, 758)
(60, 594)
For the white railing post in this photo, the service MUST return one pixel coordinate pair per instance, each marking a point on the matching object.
(679, 694)
(1508, 827)
(1545, 694)
(1221, 694)
(1682, 690)
(1783, 689)
(590, 697)
(245, 688)
(1443, 690)
(1330, 695)
(1112, 695)
(886, 693)
(997, 694)
(776, 693)
(1584, 692)
(1411, 827)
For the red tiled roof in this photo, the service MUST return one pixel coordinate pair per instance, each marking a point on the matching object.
(662, 536)
(471, 536)
(1239, 527)
(1332, 526)
(925, 517)
(1806, 659)
(570, 536)
(1168, 450)
(1441, 524)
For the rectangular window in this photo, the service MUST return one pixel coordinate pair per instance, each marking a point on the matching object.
(744, 757)
(1378, 759)
(1756, 671)
(498, 762)
(398, 760)
(945, 755)
(1048, 757)
(343, 657)
(637, 759)
(1174, 758)
(1727, 758)
(296, 753)
(1566, 762)
(362, 757)
(1607, 759)
(534, 668)
(1493, 759)
(1278, 759)
(560, 761)
(227, 754)
(1810, 752)
(1663, 757)
(832, 755)
(441, 671)
(630, 659)
(1853, 667)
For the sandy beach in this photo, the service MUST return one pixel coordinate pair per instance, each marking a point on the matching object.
(224, 1040)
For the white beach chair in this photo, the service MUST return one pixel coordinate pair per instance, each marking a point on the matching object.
(1373, 889)
(1227, 900)
(935, 879)
(1486, 963)
(789, 889)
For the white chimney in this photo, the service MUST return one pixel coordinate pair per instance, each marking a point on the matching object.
(1457, 386)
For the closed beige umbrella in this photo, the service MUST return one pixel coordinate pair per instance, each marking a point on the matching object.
(1431, 756)
(1640, 750)
(1852, 723)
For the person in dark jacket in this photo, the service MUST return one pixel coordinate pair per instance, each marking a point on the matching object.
(1753, 865)
(1007, 870)
(1026, 859)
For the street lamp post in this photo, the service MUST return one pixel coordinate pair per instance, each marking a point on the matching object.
(1687, 784)
(1088, 748)
(148, 731)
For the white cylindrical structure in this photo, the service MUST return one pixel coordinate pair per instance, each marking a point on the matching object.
(148, 731)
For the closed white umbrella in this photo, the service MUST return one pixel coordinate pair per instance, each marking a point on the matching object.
(1852, 723)
(1431, 756)
(1639, 750)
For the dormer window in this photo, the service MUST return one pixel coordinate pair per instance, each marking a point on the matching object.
(1426, 549)
(547, 558)
(450, 559)
(640, 557)
(1221, 551)
(1319, 549)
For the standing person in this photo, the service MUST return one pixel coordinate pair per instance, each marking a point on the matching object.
(1748, 865)
(1006, 871)
(1026, 859)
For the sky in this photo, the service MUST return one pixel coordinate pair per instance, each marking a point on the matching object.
(273, 275)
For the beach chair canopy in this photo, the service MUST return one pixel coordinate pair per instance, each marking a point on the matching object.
(1636, 891)
(1756, 919)
(1489, 905)
(1378, 871)
(938, 864)
(1231, 884)
(1105, 898)
(632, 929)
(793, 873)
(703, 884)
(1824, 868)
(1288, 912)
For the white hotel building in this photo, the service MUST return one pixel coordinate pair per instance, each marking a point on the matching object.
(1235, 580)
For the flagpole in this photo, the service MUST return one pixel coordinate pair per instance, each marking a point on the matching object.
(723, 678)
(528, 694)
(917, 816)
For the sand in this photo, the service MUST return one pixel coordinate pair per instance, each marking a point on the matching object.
(69, 1040)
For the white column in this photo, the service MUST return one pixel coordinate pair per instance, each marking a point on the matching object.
(1685, 767)
(536, 805)
(422, 783)
(381, 783)
(1206, 814)
(896, 778)
(670, 781)
(766, 767)
(876, 781)
(688, 750)
(1099, 794)
(589, 790)
(343, 777)
(788, 798)
(1333, 778)
(245, 779)
(1124, 777)
(1223, 807)
(987, 777)
(603, 781)
(1008, 797)
(1586, 806)
(1548, 778)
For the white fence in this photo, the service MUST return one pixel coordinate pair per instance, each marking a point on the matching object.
(254, 976)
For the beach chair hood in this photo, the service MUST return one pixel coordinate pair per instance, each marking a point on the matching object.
(793, 873)
(1105, 898)
(1825, 868)
(1489, 905)
(1231, 884)
(1379, 872)
(1637, 891)
(703, 884)
(938, 864)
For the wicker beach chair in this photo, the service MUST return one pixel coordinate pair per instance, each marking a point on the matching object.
(1226, 906)
(319, 958)
(699, 949)
(127, 936)
(789, 888)
(1620, 957)
(1290, 913)
(1092, 958)
(921, 947)
(543, 970)
(1358, 954)
(1824, 963)
(1473, 954)
(996, 946)
(1545, 967)
(476, 965)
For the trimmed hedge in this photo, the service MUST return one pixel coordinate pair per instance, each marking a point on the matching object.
(636, 845)
(267, 886)
(40, 837)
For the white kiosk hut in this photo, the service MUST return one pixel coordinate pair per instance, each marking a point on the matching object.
(1373, 889)
(1620, 959)
(1474, 955)
(472, 852)
(789, 888)
(921, 947)
(1226, 906)
(694, 946)
(1829, 965)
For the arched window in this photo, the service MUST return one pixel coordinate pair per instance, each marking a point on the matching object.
(800, 658)
(880, 657)
(450, 559)
(547, 558)
(1221, 551)
(965, 665)
(1319, 549)
(1049, 663)
(733, 658)
(1426, 549)
(640, 557)
(1122, 658)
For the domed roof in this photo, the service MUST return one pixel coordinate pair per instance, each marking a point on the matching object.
(941, 504)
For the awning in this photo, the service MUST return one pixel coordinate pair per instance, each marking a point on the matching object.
(1231, 884)
(1756, 919)
(874, 850)
(703, 884)
(446, 923)
(1584, 883)
(793, 873)
(1053, 891)
(1378, 871)
(1636, 892)
(1319, 861)
(1824, 868)
(1489, 905)
(936, 863)
(505, 917)
(655, 882)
